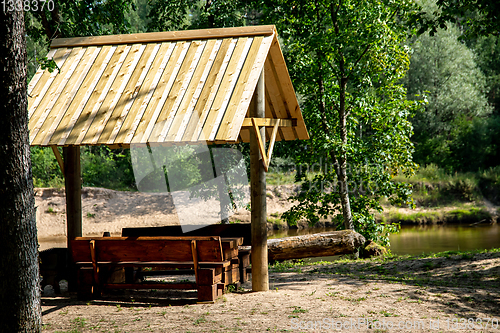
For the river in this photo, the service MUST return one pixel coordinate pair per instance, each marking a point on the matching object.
(410, 240)
(425, 239)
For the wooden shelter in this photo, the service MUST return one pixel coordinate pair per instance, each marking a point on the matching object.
(201, 86)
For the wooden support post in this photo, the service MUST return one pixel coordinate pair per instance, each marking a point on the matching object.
(73, 183)
(260, 275)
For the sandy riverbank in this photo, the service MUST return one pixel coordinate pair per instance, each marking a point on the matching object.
(411, 295)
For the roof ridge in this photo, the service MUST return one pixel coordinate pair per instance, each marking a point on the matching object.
(149, 37)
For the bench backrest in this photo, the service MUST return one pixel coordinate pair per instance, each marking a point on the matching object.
(224, 230)
(145, 249)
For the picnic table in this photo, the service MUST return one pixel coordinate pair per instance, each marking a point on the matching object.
(214, 261)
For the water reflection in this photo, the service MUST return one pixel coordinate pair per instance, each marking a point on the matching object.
(434, 238)
(411, 239)
(417, 240)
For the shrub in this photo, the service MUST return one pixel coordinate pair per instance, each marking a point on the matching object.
(489, 182)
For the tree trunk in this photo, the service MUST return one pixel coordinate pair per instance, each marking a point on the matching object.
(315, 245)
(342, 159)
(20, 309)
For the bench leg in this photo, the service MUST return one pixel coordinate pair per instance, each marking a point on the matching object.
(85, 279)
(244, 258)
(231, 276)
(207, 293)
(209, 286)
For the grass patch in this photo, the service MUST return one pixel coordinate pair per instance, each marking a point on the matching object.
(458, 215)
(275, 177)
(279, 178)
(433, 187)
(276, 222)
(287, 266)
(298, 309)
(414, 271)
(200, 320)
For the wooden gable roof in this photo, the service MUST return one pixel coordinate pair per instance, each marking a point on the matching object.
(167, 87)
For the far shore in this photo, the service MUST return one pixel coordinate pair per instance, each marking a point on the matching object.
(107, 210)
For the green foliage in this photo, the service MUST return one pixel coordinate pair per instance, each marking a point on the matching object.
(46, 171)
(458, 215)
(138, 16)
(195, 14)
(107, 168)
(489, 181)
(444, 70)
(477, 17)
(434, 187)
(79, 18)
(101, 166)
(287, 266)
(346, 59)
(456, 130)
(463, 189)
(71, 18)
(226, 162)
(487, 50)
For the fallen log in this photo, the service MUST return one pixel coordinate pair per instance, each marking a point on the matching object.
(315, 245)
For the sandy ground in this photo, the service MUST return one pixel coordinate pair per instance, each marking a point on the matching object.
(454, 294)
(449, 294)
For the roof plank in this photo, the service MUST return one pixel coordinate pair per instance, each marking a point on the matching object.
(236, 98)
(128, 96)
(40, 72)
(181, 79)
(243, 97)
(65, 99)
(45, 82)
(162, 91)
(186, 81)
(230, 75)
(114, 94)
(234, 77)
(209, 91)
(77, 105)
(98, 95)
(146, 93)
(51, 97)
(193, 91)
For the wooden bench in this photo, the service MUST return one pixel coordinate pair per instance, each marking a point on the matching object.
(202, 256)
(225, 231)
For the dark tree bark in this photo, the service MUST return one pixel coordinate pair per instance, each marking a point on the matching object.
(20, 309)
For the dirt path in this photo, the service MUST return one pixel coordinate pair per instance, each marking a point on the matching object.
(412, 295)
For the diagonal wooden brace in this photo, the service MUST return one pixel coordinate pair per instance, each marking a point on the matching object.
(59, 159)
(266, 158)
(194, 252)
